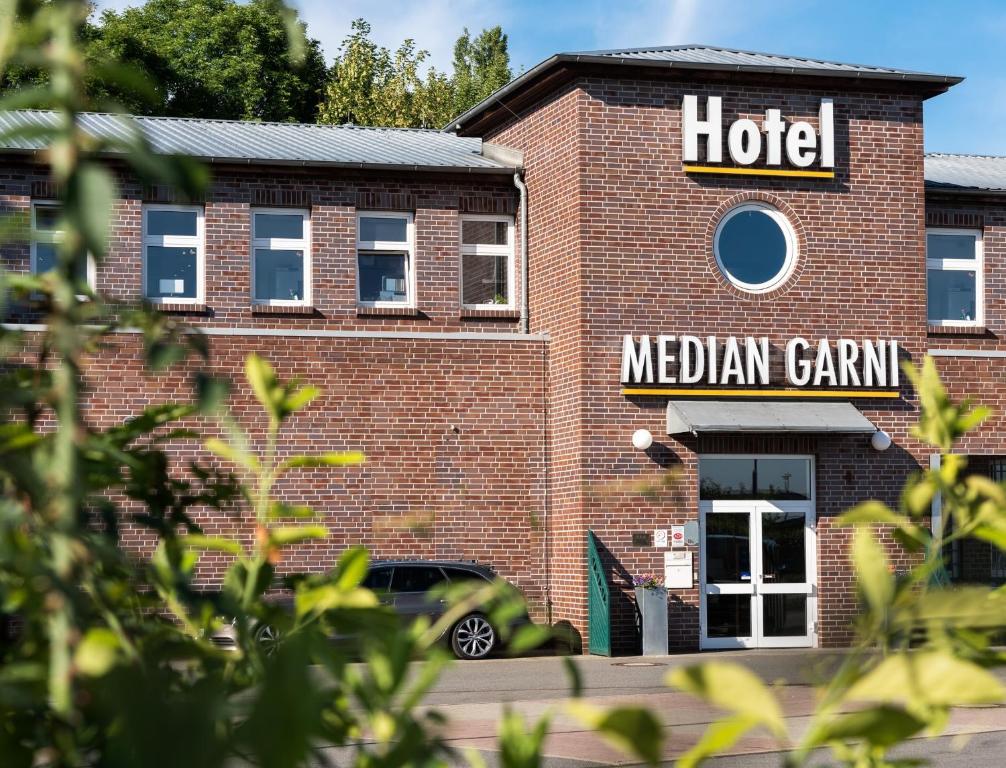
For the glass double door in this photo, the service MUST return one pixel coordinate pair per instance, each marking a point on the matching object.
(758, 574)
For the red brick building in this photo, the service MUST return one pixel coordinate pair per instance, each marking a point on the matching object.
(720, 255)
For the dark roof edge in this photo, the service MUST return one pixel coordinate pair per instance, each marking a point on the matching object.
(937, 188)
(938, 83)
(408, 167)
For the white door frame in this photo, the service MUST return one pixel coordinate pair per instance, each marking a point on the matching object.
(756, 587)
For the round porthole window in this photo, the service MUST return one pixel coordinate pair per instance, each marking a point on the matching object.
(755, 247)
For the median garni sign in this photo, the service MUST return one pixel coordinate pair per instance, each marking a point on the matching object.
(732, 361)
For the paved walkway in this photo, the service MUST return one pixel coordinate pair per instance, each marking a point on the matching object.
(473, 696)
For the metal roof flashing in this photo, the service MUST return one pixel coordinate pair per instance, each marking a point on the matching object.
(712, 59)
(237, 142)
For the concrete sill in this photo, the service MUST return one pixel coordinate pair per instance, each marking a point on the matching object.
(193, 309)
(387, 312)
(956, 330)
(278, 309)
(490, 314)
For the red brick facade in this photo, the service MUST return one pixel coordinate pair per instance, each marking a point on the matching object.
(644, 264)
(487, 444)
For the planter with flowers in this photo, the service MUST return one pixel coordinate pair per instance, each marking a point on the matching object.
(651, 599)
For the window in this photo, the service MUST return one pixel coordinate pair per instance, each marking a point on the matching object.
(782, 478)
(173, 254)
(486, 261)
(385, 269)
(415, 578)
(281, 257)
(378, 579)
(755, 247)
(460, 575)
(954, 277)
(46, 237)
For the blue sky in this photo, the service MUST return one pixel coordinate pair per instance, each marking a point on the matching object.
(948, 37)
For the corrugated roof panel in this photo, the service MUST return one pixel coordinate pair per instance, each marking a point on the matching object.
(294, 143)
(705, 54)
(972, 172)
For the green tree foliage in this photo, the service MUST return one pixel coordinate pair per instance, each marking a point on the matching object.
(481, 66)
(371, 85)
(199, 58)
(216, 58)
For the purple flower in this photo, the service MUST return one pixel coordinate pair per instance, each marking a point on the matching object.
(647, 581)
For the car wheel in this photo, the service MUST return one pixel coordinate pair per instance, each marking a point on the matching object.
(268, 638)
(473, 637)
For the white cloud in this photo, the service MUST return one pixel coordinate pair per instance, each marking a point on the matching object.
(662, 22)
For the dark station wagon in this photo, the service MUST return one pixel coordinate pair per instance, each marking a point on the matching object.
(404, 585)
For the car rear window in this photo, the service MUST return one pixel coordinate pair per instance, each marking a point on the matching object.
(461, 574)
(415, 578)
(378, 579)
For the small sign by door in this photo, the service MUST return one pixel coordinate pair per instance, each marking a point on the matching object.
(660, 537)
(677, 537)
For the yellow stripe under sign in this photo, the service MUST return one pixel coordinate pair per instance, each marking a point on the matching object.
(766, 393)
(760, 172)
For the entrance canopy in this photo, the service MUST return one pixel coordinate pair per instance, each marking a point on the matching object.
(698, 416)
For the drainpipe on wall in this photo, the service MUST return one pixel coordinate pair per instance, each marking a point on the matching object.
(524, 303)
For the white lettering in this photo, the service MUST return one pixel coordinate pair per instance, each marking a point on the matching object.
(874, 363)
(824, 365)
(711, 357)
(892, 347)
(637, 362)
(757, 360)
(774, 127)
(664, 357)
(848, 354)
(826, 119)
(691, 350)
(799, 139)
(711, 128)
(744, 142)
(732, 364)
(798, 372)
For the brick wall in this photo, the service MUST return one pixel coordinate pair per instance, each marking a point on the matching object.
(452, 424)
(452, 431)
(858, 276)
(549, 139)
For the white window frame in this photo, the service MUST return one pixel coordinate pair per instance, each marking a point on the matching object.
(390, 247)
(960, 265)
(283, 244)
(54, 238)
(789, 261)
(197, 241)
(472, 249)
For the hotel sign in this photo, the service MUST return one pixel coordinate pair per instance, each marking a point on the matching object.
(808, 152)
(731, 366)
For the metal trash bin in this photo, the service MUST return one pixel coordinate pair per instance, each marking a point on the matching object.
(652, 604)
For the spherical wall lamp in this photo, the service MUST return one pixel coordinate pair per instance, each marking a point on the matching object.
(880, 441)
(642, 439)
